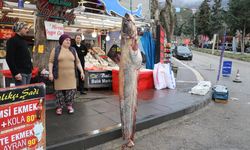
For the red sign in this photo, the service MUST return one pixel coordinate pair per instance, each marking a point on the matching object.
(1, 4)
(6, 33)
(51, 11)
(162, 38)
(27, 137)
(13, 115)
(22, 118)
(8, 20)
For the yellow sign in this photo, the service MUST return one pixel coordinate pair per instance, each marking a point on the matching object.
(34, 48)
(41, 49)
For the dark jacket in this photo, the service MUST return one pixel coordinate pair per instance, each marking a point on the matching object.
(18, 56)
(81, 52)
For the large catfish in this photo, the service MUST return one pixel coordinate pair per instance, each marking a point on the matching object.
(130, 62)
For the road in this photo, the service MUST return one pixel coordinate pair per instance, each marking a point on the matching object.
(215, 127)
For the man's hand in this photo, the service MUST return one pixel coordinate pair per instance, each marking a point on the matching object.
(51, 77)
(18, 77)
(82, 76)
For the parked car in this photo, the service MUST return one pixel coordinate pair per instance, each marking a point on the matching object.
(228, 46)
(183, 52)
(247, 50)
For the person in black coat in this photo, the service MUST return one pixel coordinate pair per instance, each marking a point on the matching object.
(81, 52)
(18, 56)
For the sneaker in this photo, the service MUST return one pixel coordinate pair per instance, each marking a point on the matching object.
(59, 111)
(70, 109)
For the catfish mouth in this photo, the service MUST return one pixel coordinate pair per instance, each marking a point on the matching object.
(128, 26)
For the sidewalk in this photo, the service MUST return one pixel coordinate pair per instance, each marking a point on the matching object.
(97, 116)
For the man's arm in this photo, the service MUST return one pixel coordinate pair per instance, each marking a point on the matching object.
(51, 61)
(85, 50)
(10, 57)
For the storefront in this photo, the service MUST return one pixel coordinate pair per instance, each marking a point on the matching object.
(98, 29)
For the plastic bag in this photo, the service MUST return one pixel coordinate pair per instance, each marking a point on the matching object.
(163, 76)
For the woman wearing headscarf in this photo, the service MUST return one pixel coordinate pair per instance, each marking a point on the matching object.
(63, 63)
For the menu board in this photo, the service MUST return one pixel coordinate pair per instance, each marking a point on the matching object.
(22, 118)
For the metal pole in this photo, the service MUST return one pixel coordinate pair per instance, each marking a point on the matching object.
(194, 26)
(131, 7)
(221, 56)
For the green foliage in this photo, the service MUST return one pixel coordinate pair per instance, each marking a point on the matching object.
(238, 15)
(237, 56)
(203, 19)
(167, 19)
(184, 22)
(217, 18)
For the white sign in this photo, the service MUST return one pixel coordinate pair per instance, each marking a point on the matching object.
(53, 30)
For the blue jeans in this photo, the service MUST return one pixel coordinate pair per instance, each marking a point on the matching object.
(25, 79)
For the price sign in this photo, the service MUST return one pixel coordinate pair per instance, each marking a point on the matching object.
(99, 78)
(22, 117)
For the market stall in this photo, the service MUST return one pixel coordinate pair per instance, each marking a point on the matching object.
(98, 68)
(99, 28)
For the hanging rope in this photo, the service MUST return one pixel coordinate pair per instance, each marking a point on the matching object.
(131, 7)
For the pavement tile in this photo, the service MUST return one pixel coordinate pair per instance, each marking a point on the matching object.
(115, 116)
(103, 113)
(147, 111)
(113, 101)
(74, 126)
(104, 107)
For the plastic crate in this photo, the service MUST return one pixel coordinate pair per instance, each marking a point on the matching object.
(220, 92)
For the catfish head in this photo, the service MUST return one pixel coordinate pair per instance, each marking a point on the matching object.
(128, 26)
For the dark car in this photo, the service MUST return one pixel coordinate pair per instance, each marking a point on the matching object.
(228, 46)
(183, 52)
(247, 50)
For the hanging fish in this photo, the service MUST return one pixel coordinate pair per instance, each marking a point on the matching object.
(116, 7)
(129, 64)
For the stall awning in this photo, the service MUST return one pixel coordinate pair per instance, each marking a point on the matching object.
(83, 20)
(100, 21)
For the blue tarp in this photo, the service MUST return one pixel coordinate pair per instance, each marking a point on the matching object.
(148, 45)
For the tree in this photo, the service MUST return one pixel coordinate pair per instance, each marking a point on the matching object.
(184, 23)
(167, 19)
(154, 15)
(238, 18)
(216, 17)
(203, 19)
(40, 59)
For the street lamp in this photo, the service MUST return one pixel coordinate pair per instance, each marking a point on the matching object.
(194, 11)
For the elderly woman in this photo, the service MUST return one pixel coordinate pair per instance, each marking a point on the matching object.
(62, 69)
